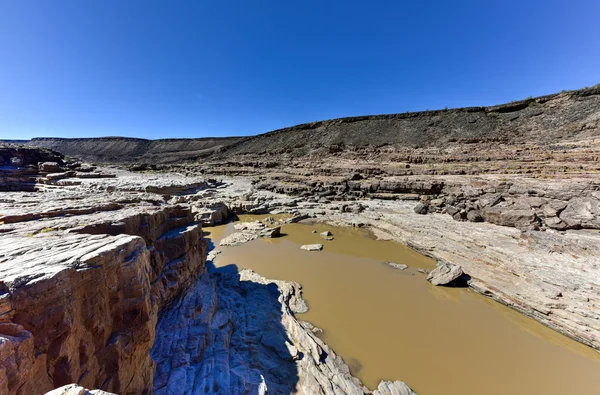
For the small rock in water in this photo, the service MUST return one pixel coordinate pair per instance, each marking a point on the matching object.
(297, 218)
(326, 234)
(445, 273)
(314, 231)
(312, 247)
(399, 266)
(237, 238)
(270, 232)
(424, 271)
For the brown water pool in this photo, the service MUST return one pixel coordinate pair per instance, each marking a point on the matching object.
(394, 325)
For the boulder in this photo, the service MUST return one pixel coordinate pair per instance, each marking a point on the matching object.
(506, 216)
(444, 273)
(270, 232)
(421, 208)
(582, 213)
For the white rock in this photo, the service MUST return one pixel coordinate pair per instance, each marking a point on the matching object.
(312, 247)
(399, 266)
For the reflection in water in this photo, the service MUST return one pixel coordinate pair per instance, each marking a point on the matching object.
(392, 324)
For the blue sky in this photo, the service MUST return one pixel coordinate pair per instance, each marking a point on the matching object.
(158, 69)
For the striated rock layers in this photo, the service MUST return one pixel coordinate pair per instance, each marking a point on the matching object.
(83, 276)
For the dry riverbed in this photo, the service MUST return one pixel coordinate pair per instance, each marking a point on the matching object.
(392, 324)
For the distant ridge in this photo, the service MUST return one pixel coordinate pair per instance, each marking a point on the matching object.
(130, 150)
(549, 119)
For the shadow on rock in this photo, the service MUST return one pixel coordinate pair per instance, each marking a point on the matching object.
(225, 336)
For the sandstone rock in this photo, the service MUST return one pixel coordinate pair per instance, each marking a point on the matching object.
(326, 234)
(312, 247)
(444, 274)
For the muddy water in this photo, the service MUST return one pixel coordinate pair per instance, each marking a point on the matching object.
(391, 324)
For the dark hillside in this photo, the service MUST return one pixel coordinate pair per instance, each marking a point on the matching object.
(127, 150)
(551, 119)
(548, 119)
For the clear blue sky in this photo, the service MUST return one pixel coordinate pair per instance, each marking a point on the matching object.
(157, 69)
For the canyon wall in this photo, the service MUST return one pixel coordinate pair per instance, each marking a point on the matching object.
(83, 276)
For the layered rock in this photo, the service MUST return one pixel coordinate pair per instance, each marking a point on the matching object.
(85, 300)
(83, 276)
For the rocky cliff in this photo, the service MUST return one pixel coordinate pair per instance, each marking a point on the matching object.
(83, 277)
